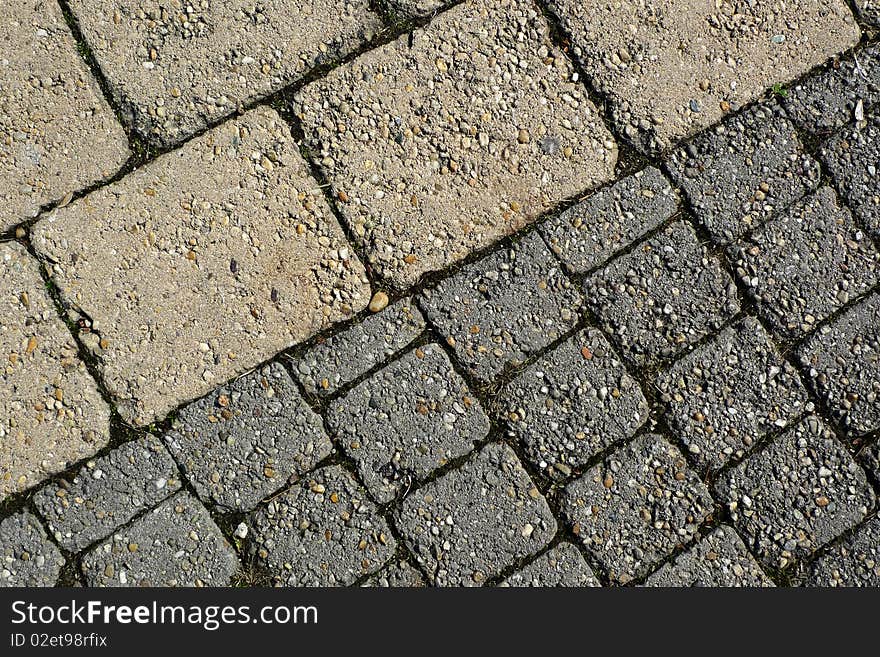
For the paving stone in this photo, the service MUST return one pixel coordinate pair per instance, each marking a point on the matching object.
(474, 521)
(406, 421)
(806, 264)
(60, 135)
(843, 362)
(852, 156)
(730, 392)
(397, 574)
(27, 556)
(589, 233)
(449, 138)
(562, 565)
(107, 492)
(51, 413)
(720, 559)
(573, 402)
(176, 68)
(322, 532)
(740, 173)
(345, 356)
(869, 457)
(828, 100)
(664, 295)
(673, 67)
(418, 8)
(499, 310)
(246, 439)
(855, 561)
(634, 509)
(175, 544)
(252, 262)
(792, 498)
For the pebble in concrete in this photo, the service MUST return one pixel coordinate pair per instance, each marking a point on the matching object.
(792, 498)
(246, 439)
(406, 421)
(175, 544)
(451, 137)
(562, 565)
(107, 492)
(418, 8)
(51, 412)
(322, 532)
(855, 561)
(475, 521)
(202, 264)
(634, 509)
(397, 574)
(27, 556)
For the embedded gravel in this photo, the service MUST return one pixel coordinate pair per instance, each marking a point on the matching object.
(562, 565)
(27, 556)
(397, 574)
(855, 561)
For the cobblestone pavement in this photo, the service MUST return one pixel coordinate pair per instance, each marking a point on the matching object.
(430, 293)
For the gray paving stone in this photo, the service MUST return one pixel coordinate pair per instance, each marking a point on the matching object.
(451, 137)
(107, 492)
(792, 498)
(345, 356)
(853, 156)
(843, 362)
(720, 559)
(27, 556)
(573, 402)
(397, 574)
(869, 457)
(806, 263)
(636, 508)
(253, 263)
(586, 235)
(499, 310)
(176, 67)
(738, 174)
(322, 532)
(246, 439)
(855, 561)
(175, 544)
(729, 392)
(51, 412)
(471, 523)
(406, 421)
(59, 134)
(664, 295)
(562, 565)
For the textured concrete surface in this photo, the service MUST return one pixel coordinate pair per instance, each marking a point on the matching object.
(855, 561)
(27, 556)
(562, 565)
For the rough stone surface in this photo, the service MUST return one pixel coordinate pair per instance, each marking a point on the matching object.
(869, 457)
(174, 68)
(418, 8)
(175, 544)
(843, 362)
(202, 264)
(562, 565)
(672, 67)
(445, 140)
(573, 402)
(586, 235)
(806, 263)
(730, 392)
(108, 492)
(634, 509)
(322, 532)
(664, 295)
(797, 495)
(497, 311)
(343, 357)
(397, 574)
(51, 413)
(406, 421)
(740, 173)
(869, 10)
(474, 521)
(720, 559)
(59, 134)
(245, 440)
(27, 556)
(855, 561)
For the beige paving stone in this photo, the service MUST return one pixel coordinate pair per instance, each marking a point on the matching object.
(57, 133)
(672, 67)
(51, 413)
(202, 264)
(177, 65)
(445, 140)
